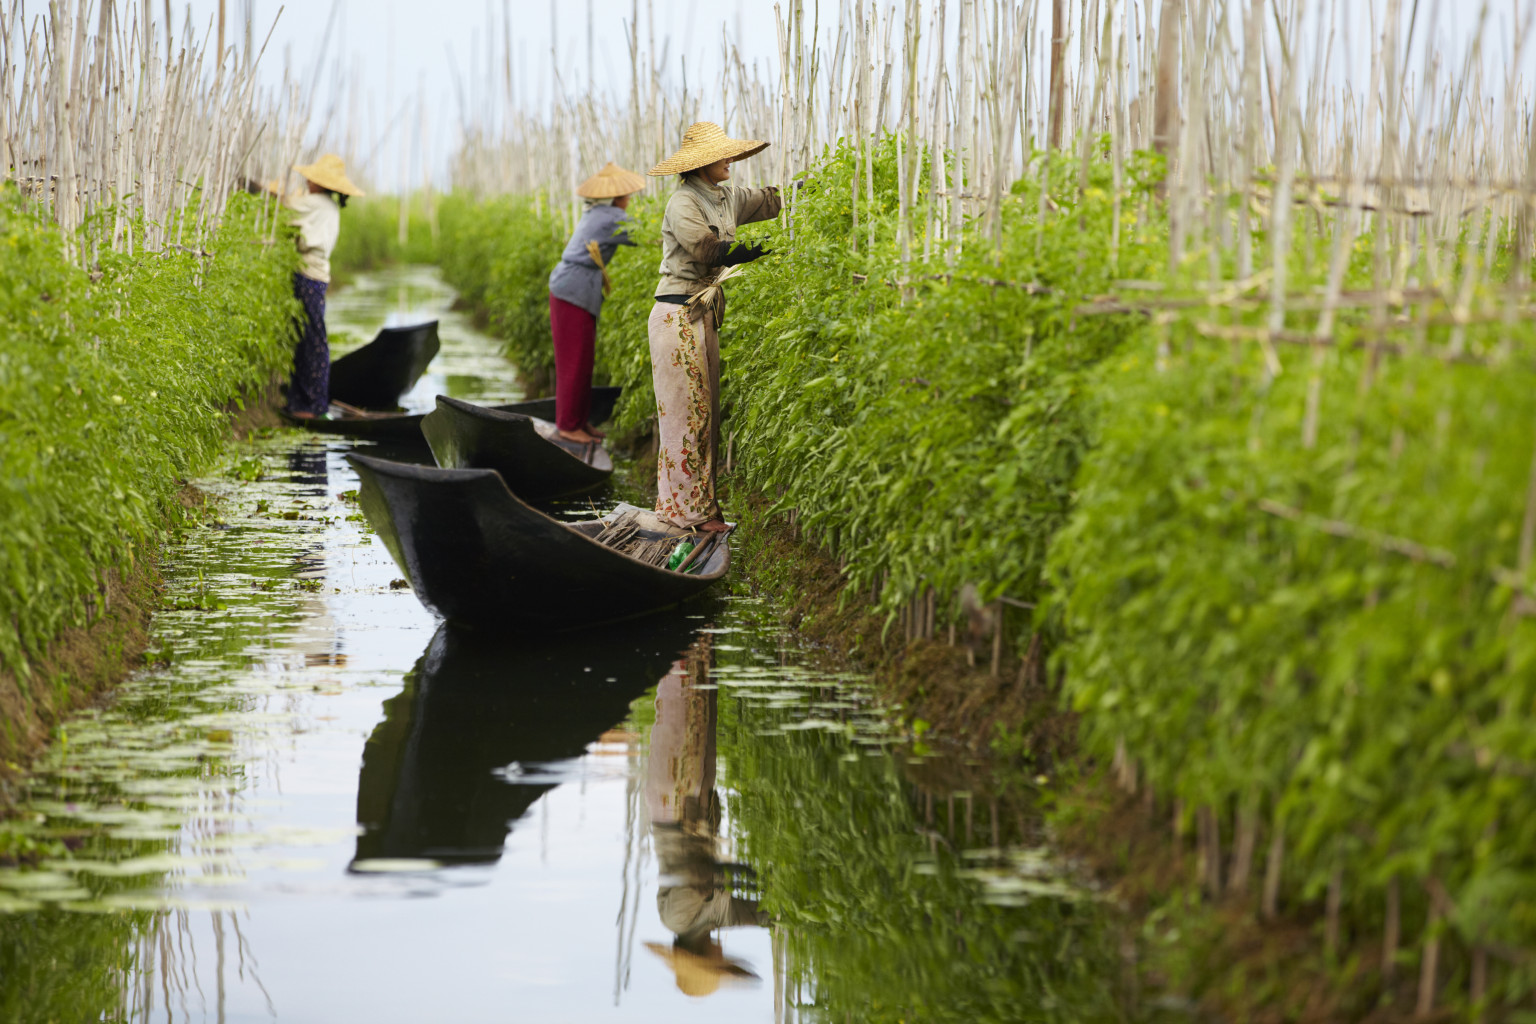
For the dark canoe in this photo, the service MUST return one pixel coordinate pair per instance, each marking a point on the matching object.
(476, 553)
(536, 464)
(376, 375)
(406, 426)
(433, 783)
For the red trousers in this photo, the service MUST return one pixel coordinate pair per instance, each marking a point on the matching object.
(575, 335)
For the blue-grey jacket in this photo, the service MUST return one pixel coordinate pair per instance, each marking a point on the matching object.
(576, 278)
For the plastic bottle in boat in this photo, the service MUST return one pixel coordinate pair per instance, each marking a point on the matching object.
(680, 552)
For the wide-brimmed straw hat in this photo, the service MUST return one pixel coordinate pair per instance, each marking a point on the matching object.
(698, 975)
(611, 182)
(703, 143)
(329, 173)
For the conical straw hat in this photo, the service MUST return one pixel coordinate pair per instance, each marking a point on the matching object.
(700, 975)
(610, 182)
(329, 173)
(703, 144)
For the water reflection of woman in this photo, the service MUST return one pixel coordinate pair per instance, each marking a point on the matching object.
(694, 893)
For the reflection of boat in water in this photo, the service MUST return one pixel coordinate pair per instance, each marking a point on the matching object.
(433, 784)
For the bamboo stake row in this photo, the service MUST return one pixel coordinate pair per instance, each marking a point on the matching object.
(877, 68)
(129, 132)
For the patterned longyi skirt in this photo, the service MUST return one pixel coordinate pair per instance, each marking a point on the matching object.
(685, 368)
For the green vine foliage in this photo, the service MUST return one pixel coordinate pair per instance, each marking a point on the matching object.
(1329, 639)
(498, 254)
(370, 235)
(1323, 646)
(930, 442)
(111, 395)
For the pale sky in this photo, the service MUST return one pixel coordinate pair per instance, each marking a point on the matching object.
(393, 50)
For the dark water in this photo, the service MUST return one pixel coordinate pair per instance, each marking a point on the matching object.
(321, 805)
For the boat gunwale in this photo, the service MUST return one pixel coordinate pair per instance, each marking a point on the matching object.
(345, 426)
(520, 420)
(525, 511)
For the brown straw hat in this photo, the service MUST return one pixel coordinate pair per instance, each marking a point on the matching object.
(703, 143)
(611, 182)
(329, 173)
(698, 975)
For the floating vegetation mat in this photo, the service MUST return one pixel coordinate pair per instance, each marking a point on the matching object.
(148, 798)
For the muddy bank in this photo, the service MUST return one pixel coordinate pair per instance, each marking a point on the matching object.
(79, 666)
(946, 687)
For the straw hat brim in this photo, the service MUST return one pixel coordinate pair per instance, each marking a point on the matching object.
(690, 157)
(332, 179)
(610, 183)
(700, 975)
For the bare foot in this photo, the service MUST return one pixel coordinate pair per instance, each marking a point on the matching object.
(713, 526)
(302, 415)
(579, 436)
(589, 428)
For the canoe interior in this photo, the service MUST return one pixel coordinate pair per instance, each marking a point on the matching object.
(536, 463)
(603, 401)
(377, 374)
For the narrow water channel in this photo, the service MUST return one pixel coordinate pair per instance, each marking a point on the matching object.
(319, 804)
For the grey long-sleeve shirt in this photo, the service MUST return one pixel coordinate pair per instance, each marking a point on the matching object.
(576, 279)
(699, 217)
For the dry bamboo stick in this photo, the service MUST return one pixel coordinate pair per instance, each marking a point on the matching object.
(1338, 528)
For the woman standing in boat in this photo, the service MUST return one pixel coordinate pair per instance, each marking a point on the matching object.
(317, 216)
(576, 290)
(698, 233)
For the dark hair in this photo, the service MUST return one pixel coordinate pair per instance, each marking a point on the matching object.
(341, 198)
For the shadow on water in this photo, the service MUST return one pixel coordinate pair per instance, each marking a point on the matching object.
(477, 735)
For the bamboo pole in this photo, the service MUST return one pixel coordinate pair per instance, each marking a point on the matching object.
(1057, 96)
(1391, 929)
(1273, 866)
(1165, 129)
